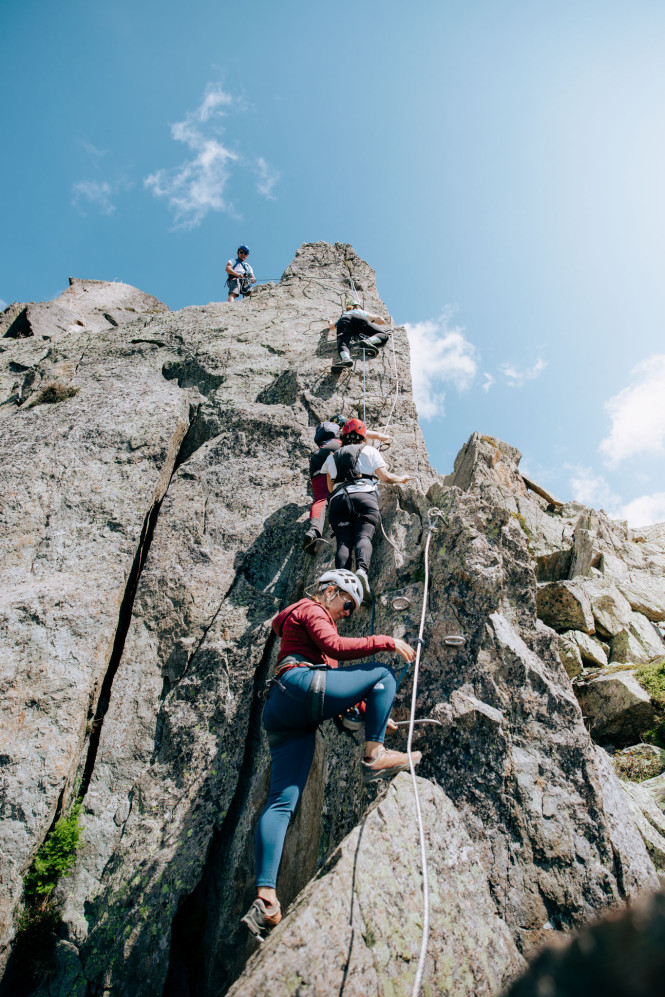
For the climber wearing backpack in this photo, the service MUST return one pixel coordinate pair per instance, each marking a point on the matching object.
(307, 689)
(241, 276)
(327, 439)
(359, 326)
(353, 511)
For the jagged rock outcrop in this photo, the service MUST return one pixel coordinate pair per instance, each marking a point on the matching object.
(154, 515)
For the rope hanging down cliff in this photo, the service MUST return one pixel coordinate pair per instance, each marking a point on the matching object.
(432, 514)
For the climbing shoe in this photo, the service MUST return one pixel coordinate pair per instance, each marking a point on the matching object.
(386, 764)
(261, 918)
(368, 346)
(309, 541)
(364, 581)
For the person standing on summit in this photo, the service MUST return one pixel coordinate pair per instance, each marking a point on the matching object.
(359, 325)
(240, 275)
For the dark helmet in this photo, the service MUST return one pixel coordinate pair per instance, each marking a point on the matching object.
(354, 426)
(244, 248)
(339, 419)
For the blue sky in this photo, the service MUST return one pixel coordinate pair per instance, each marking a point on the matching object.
(500, 164)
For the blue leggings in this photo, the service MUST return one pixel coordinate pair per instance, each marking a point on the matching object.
(291, 755)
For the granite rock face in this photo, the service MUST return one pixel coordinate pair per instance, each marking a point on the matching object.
(155, 498)
(367, 902)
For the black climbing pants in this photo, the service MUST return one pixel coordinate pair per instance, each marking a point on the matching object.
(347, 333)
(353, 519)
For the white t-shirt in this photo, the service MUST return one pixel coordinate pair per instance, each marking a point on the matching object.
(238, 265)
(368, 461)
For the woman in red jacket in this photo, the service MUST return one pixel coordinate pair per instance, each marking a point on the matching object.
(307, 689)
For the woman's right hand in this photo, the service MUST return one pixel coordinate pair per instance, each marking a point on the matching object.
(406, 651)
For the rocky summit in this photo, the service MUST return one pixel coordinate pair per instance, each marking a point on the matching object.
(154, 496)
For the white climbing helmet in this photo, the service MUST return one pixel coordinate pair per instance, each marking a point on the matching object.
(346, 581)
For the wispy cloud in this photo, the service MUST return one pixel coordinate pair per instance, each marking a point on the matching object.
(637, 414)
(198, 186)
(439, 355)
(267, 178)
(92, 150)
(592, 489)
(645, 510)
(95, 195)
(516, 377)
(488, 382)
(3, 305)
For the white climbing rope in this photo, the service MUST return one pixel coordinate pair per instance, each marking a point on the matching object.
(364, 391)
(431, 515)
(390, 414)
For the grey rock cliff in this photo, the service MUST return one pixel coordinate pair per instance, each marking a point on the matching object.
(155, 497)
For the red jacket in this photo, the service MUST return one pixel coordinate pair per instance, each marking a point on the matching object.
(307, 628)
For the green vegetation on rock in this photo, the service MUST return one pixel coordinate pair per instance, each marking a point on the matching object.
(56, 856)
(652, 678)
(39, 916)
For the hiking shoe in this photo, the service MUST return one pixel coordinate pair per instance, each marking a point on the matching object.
(309, 541)
(386, 764)
(364, 581)
(261, 919)
(343, 362)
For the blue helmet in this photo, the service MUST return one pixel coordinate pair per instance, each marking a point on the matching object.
(244, 248)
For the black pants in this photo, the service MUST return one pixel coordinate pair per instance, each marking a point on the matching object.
(353, 520)
(347, 334)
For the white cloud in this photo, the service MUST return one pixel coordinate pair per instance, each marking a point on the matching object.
(637, 414)
(267, 178)
(439, 355)
(593, 490)
(198, 185)
(94, 194)
(488, 382)
(516, 377)
(3, 305)
(645, 510)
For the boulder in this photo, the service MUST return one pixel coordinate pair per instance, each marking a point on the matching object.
(565, 606)
(648, 635)
(656, 786)
(611, 611)
(650, 820)
(591, 650)
(642, 586)
(566, 650)
(617, 707)
(359, 924)
(639, 643)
